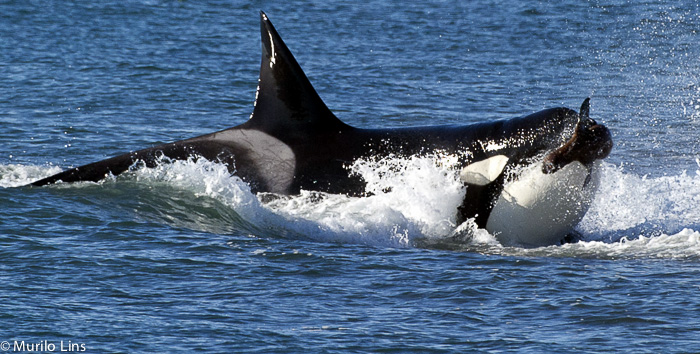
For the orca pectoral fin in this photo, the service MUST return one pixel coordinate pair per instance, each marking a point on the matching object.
(484, 180)
(483, 172)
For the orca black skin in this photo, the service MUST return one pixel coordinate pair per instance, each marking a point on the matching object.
(293, 142)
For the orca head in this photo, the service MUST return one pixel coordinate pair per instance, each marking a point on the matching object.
(590, 142)
(538, 203)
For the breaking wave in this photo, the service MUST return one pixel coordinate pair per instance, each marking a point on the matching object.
(412, 202)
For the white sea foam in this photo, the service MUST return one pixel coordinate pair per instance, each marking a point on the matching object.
(14, 175)
(683, 245)
(628, 205)
(412, 202)
(410, 199)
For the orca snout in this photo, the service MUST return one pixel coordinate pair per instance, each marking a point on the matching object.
(591, 141)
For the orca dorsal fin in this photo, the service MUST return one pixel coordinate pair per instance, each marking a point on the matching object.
(286, 103)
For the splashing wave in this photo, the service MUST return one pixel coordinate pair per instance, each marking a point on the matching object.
(412, 202)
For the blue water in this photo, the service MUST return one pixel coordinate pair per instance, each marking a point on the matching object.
(184, 258)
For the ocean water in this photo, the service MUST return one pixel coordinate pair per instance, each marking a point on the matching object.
(184, 258)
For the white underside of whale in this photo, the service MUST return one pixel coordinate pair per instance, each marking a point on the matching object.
(538, 209)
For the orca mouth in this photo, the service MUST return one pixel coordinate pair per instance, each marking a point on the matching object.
(590, 142)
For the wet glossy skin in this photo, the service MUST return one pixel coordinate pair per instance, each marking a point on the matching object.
(293, 142)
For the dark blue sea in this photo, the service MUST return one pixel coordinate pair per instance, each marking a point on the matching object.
(184, 258)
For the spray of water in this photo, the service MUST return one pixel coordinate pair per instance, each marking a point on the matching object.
(412, 202)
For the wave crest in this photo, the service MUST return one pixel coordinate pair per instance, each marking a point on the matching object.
(412, 202)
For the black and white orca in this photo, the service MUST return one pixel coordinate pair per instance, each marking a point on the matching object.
(529, 180)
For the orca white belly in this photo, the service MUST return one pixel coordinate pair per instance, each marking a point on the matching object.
(540, 209)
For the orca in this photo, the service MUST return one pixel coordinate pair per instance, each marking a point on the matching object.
(529, 180)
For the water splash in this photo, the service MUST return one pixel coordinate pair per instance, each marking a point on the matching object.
(14, 175)
(628, 205)
(412, 202)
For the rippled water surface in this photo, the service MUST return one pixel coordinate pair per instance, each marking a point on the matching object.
(185, 258)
